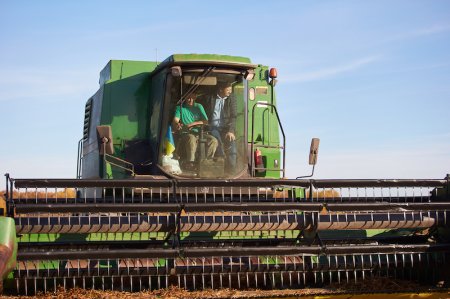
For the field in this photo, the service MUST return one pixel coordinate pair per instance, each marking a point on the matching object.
(370, 288)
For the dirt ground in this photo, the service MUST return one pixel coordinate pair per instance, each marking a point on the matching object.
(368, 286)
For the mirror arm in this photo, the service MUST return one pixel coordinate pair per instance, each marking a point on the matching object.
(307, 176)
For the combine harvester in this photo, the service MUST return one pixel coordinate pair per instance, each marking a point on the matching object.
(141, 216)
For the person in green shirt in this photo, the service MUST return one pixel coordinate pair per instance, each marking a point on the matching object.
(188, 120)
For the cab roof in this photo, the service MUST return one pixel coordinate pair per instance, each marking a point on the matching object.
(209, 59)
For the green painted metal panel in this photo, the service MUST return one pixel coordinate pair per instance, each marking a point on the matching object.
(8, 246)
(266, 128)
(92, 237)
(125, 105)
(368, 233)
(122, 69)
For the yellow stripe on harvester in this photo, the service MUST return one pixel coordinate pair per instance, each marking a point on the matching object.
(2, 207)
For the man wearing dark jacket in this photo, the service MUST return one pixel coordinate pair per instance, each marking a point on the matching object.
(221, 109)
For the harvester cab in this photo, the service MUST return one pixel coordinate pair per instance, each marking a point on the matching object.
(198, 87)
(191, 116)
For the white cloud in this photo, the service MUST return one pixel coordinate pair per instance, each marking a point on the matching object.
(432, 30)
(420, 32)
(332, 71)
(31, 84)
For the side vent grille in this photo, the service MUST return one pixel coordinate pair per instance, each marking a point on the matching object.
(87, 119)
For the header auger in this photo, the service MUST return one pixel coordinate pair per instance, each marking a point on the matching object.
(142, 214)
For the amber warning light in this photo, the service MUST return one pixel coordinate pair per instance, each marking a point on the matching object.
(273, 73)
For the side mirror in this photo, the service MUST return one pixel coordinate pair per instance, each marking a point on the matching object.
(105, 141)
(314, 151)
(249, 75)
(176, 71)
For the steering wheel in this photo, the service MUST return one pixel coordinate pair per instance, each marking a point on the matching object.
(198, 126)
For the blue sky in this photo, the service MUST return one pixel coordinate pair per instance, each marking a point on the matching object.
(371, 79)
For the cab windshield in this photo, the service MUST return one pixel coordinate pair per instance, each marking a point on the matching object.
(204, 130)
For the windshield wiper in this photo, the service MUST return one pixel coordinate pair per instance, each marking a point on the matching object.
(199, 80)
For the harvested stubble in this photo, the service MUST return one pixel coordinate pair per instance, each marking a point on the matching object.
(375, 285)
